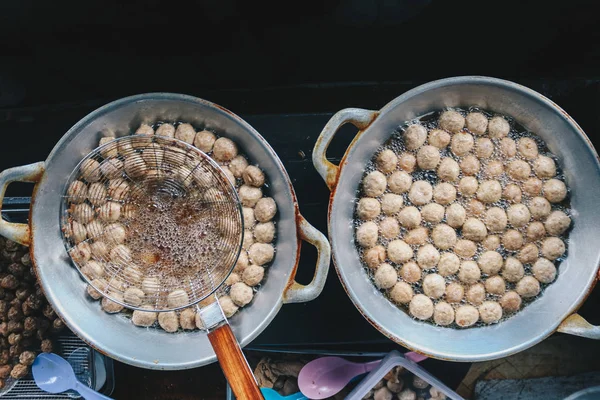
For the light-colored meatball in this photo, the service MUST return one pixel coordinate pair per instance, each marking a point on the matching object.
(111, 168)
(544, 167)
(528, 254)
(470, 165)
(253, 176)
(390, 204)
(476, 294)
(518, 170)
(444, 237)
(475, 207)
(557, 223)
(118, 189)
(205, 140)
(90, 170)
(168, 321)
(461, 143)
(490, 312)
(528, 286)
(108, 151)
(77, 192)
(407, 162)
(264, 232)
(449, 264)
(496, 219)
(77, 232)
(374, 256)
(469, 272)
(178, 298)
(228, 306)
(133, 296)
(495, 285)
(474, 229)
(265, 209)
(166, 130)
(94, 293)
(110, 306)
(242, 262)
(448, 170)
(494, 168)
(82, 213)
(508, 147)
(513, 270)
(253, 275)
(510, 302)
(237, 166)
(512, 240)
(553, 248)
(491, 242)
(144, 318)
(544, 270)
(389, 227)
(410, 272)
(144, 129)
(455, 292)
(444, 193)
(415, 136)
(241, 294)
(232, 278)
(421, 307)
(456, 215)
(416, 236)
(134, 166)
(385, 276)
(263, 253)
(110, 211)
(443, 313)
(224, 149)
(527, 148)
(489, 191)
(535, 231)
(401, 293)
(151, 285)
(434, 286)
(477, 123)
(399, 252)
(465, 248)
(186, 133)
(498, 127)
(439, 138)
(512, 193)
(93, 269)
(490, 262)
(484, 148)
(518, 215)
(249, 195)
(451, 121)
(428, 157)
(120, 255)
(187, 319)
(248, 214)
(432, 212)
(539, 207)
(409, 217)
(467, 186)
(399, 182)
(554, 190)
(428, 256)
(466, 316)
(420, 193)
(386, 161)
(248, 239)
(374, 184)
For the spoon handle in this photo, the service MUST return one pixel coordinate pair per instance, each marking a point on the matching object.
(88, 393)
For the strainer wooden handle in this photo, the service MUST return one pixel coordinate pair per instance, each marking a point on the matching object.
(234, 364)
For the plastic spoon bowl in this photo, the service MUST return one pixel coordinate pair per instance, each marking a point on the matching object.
(270, 394)
(54, 374)
(327, 376)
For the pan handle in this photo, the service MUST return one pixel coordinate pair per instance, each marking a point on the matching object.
(356, 116)
(576, 325)
(27, 173)
(297, 293)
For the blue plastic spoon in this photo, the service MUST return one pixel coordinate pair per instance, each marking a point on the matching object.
(271, 394)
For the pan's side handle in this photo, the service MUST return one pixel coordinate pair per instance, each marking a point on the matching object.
(356, 116)
(297, 293)
(576, 325)
(27, 173)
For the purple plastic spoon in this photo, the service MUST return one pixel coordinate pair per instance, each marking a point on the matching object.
(327, 376)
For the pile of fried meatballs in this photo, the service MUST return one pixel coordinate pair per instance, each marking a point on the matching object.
(97, 227)
(462, 218)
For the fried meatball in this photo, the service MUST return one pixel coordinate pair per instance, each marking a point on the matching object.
(77, 192)
(168, 321)
(374, 184)
(513, 270)
(495, 285)
(249, 195)
(264, 232)
(421, 307)
(390, 204)
(474, 229)
(475, 207)
(512, 193)
(449, 264)
(527, 148)
(389, 227)
(253, 275)
(467, 186)
(539, 207)
(434, 286)
(409, 217)
(510, 302)
(385, 276)
(241, 294)
(553, 248)
(399, 252)
(544, 270)
(90, 170)
(401, 293)
(498, 127)
(386, 161)
(535, 231)
(416, 236)
(415, 136)
(410, 272)
(253, 176)
(469, 272)
(496, 219)
(166, 130)
(134, 296)
(451, 121)
(81, 253)
(110, 306)
(439, 138)
(544, 167)
(444, 193)
(448, 170)
(465, 248)
(519, 170)
(518, 215)
(494, 169)
(224, 149)
(490, 262)
(443, 313)
(187, 319)
(444, 237)
(399, 182)
(554, 190)
(407, 162)
(82, 213)
(100, 284)
(489, 191)
(108, 151)
(490, 312)
(508, 147)
(110, 212)
(428, 157)
(432, 212)
(477, 123)
(265, 209)
(461, 143)
(228, 306)
(420, 193)
(466, 316)
(528, 286)
(205, 141)
(111, 169)
(484, 148)
(476, 294)
(512, 239)
(144, 318)
(95, 229)
(456, 215)
(178, 298)
(528, 254)
(262, 253)
(532, 187)
(427, 256)
(557, 223)
(237, 166)
(374, 256)
(491, 242)
(454, 292)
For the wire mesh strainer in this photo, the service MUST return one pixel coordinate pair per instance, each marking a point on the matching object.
(152, 223)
